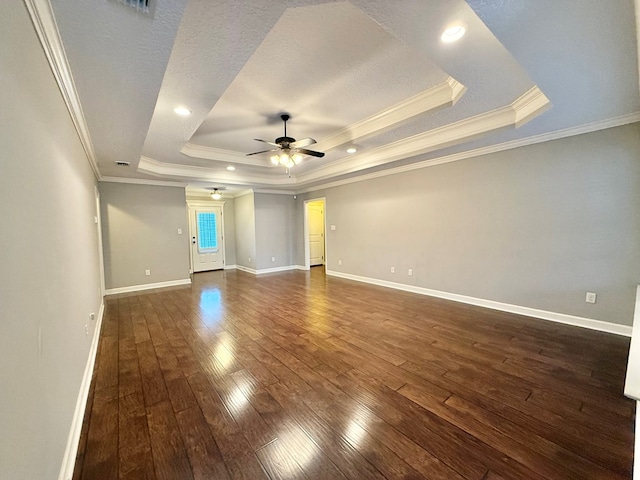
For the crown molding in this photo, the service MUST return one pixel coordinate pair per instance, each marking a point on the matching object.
(523, 109)
(153, 167)
(143, 181)
(442, 95)
(273, 192)
(530, 104)
(522, 142)
(46, 28)
(220, 155)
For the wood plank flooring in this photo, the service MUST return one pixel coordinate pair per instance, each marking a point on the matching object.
(300, 376)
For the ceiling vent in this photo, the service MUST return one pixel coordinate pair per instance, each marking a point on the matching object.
(146, 7)
(122, 164)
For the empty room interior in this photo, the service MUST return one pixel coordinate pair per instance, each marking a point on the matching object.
(311, 239)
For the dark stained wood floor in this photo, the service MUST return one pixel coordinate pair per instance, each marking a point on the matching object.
(296, 375)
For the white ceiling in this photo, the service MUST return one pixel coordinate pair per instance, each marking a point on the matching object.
(369, 74)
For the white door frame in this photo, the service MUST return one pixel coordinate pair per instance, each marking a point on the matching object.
(192, 206)
(100, 252)
(307, 249)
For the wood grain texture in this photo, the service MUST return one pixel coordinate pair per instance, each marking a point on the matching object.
(300, 376)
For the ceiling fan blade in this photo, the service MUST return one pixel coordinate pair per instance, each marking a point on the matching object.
(313, 153)
(304, 142)
(264, 141)
(263, 151)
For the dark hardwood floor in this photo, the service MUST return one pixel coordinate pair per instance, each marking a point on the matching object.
(296, 375)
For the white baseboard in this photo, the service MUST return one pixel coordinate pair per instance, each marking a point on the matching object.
(147, 286)
(245, 269)
(262, 271)
(505, 307)
(71, 450)
(230, 267)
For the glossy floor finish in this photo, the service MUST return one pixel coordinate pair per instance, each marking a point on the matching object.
(300, 376)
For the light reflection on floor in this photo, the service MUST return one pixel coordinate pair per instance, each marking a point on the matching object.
(211, 309)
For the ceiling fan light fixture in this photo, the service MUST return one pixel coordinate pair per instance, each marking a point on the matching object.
(453, 33)
(231, 168)
(275, 159)
(352, 150)
(297, 158)
(285, 159)
(216, 195)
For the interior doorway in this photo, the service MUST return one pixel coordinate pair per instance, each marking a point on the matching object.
(315, 241)
(207, 246)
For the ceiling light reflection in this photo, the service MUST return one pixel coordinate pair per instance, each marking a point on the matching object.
(453, 33)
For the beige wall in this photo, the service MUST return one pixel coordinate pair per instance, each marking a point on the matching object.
(140, 232)
(49, 275)
(274, 230)
(245, 231)
(537, 226)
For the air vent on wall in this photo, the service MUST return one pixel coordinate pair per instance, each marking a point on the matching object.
(122, 164)
(146, 7)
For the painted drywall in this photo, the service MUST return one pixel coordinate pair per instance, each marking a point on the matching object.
(274, 230)
(538, 226)
(140, 232)
(229, 219)
(245, 231)
(49, 280)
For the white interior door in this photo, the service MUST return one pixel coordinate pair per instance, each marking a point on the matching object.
(206, 239)
(315, 218)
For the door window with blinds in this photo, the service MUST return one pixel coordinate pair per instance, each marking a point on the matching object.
(207, 226)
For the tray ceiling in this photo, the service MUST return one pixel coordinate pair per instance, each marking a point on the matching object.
(370, 75)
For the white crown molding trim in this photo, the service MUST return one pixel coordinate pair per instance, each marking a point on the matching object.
(523, 109)
(531, 103)
(220, 155)
(273, 192)
(45, 25)
(442, 95)
(589, 323)
(147, 286)
(71, 450)
(500, 147)
(143, 181)
(154, 167)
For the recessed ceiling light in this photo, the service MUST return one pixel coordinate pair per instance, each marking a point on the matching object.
(352, 150)
(231, 168)
(184, 112)
(453, 33)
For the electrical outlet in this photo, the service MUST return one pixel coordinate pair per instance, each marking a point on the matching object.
(591, 297)
(273, 259)
(249, 259)
(86, 330)
(339, 262)
(393, 269)
(92, 316)
(179, 231)
(147, 272)
(410, 272)
(333, 227)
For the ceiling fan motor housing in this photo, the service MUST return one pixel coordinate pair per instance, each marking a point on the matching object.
(284, 142)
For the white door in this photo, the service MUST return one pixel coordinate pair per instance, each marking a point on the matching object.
(206, 239)
(315, 217)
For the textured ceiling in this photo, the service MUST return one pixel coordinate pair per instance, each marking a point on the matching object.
(374, 75)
